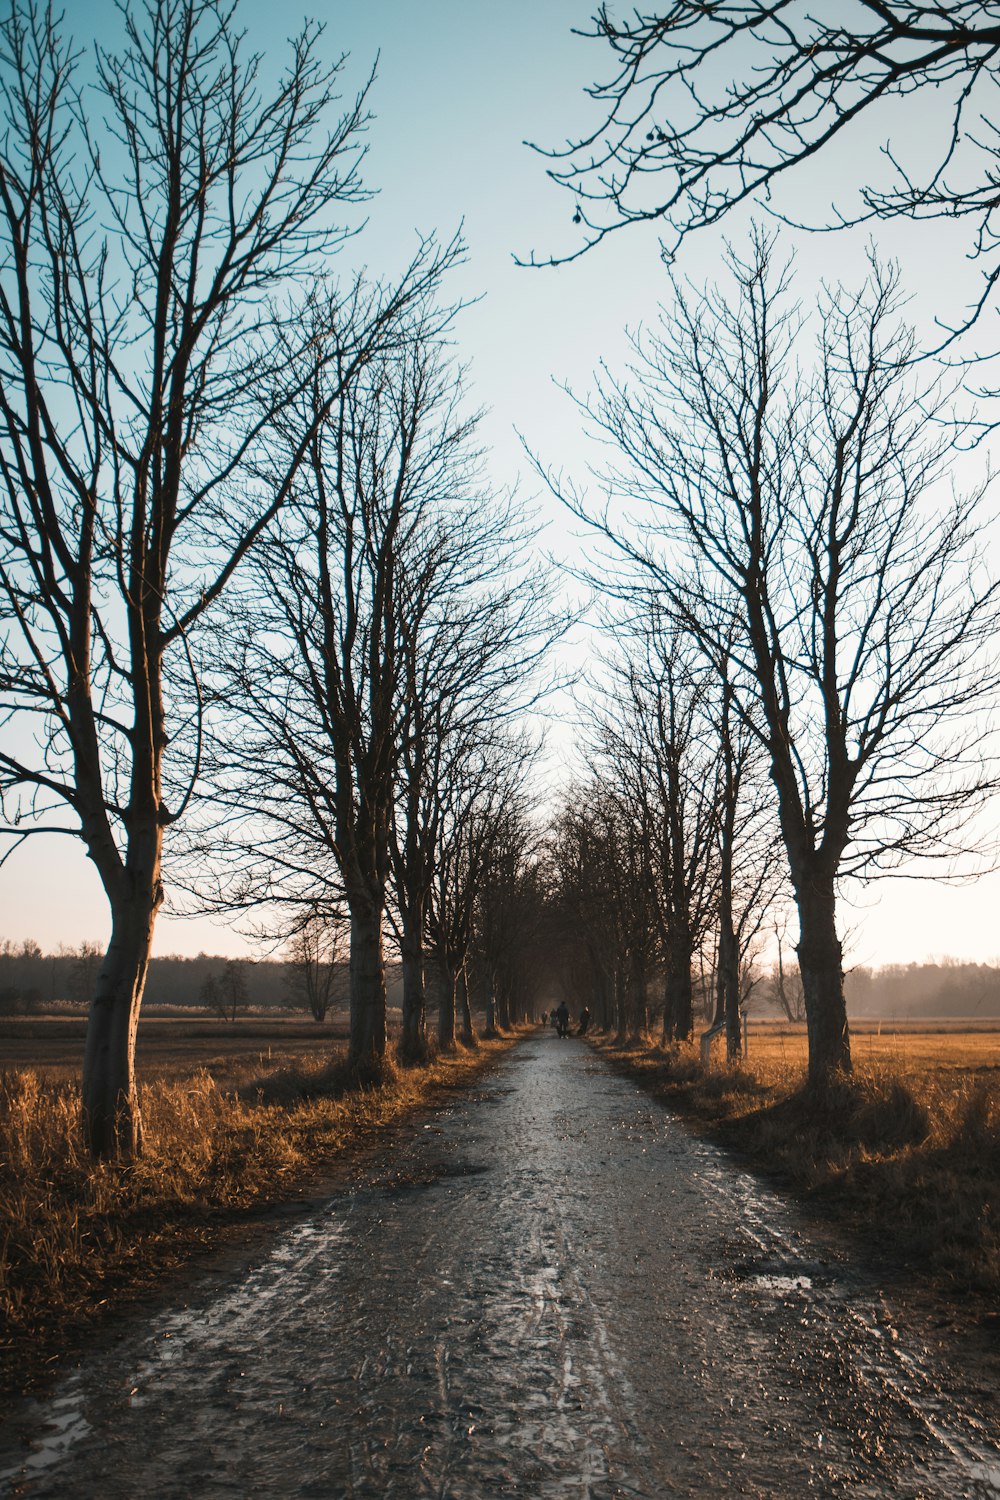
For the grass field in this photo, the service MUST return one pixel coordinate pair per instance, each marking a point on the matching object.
(908, 1047)
(175, 1045)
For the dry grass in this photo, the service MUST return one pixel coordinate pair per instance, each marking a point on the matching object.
(940, 1048)
(77, 1238)
(906, 1152)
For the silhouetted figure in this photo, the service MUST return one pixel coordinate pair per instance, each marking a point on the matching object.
(584, 1022)
(562, 1020)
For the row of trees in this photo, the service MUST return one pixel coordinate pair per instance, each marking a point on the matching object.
(789, 511)
(248, 561)
(310, 977)
(665, 856)
(812, 628)
(256, 592)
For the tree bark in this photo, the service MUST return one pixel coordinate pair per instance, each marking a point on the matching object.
(444, 984)
(729, 987)
(468, 1030)
(620, 1001)
(678, 1009)
(821, 967)
(367, 986)
(112, 1125)
(501, 1011)
(636, 998)
(492, 1028)
(413, 1039)
(112, 1121)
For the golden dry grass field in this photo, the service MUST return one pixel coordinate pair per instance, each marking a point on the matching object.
(917, 1048)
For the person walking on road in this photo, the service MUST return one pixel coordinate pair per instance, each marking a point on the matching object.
(562, 1019)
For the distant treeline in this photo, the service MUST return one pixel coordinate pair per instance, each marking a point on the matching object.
(946, 988)
(30, 980)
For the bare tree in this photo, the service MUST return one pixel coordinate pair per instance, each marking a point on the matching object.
(511, 956)
(157, 220)
(678, 788)
(479, 791)
(602, 849)
(84, 970)
(585, 913)
(475, 627)
(310, 660)
(317, 956)
(225, 994)
(812, 506)
(709, 105)
(750, 873)
(785, 983)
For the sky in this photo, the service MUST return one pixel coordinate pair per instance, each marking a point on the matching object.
(460, 86)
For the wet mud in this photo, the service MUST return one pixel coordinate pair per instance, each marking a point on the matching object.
(550, 1290)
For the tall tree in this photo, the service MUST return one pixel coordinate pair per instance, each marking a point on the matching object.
(670, 765)
(811, 506)
(312, 666)
(585, 920)
(158, 220)
(316, 956)
(512, 922)
(474, 629)
(479, 790)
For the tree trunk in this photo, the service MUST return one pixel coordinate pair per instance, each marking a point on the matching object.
(444, 984)
(112, 1122)
(468, 1030)
(821, 968)
(491, 1009)
(607, 999)
(413, 1038)
(620, 1003)
(678, 1009)
(636, 998)
(728, 984)
(367, 985)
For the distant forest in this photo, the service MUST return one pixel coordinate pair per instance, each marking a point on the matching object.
(31, 981)
(946, 988)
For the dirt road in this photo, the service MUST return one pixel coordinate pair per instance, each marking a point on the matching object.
(553, 1291)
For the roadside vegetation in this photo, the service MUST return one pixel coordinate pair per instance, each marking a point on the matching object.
(905, 1152)
(224, 1148)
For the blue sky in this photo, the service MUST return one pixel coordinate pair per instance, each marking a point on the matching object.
(461, 84)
